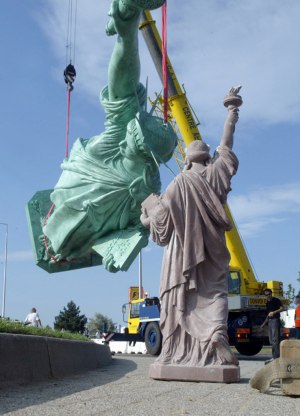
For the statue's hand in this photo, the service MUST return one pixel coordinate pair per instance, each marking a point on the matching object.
(233, 115)
(124, 24)
(145, 220)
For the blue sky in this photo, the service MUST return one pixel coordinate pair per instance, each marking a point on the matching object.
(212, 45)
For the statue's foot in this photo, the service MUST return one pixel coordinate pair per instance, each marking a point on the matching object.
(55, 259)
(46, 247)
(221, 346)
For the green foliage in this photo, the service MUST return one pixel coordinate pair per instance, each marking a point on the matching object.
(98, 322)
(14, 327)
(290, 294)
(298, 280)
(70, 319)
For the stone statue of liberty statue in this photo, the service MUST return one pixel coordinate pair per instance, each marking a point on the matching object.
(97, 199)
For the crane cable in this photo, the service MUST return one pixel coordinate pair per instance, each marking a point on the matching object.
(70, 72)
(164, 60)
(69, 77)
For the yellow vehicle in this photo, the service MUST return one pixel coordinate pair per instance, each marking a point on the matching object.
(246, 303)
(143, 316)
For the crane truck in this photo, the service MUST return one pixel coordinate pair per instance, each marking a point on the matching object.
(245, 293)
(142, 316)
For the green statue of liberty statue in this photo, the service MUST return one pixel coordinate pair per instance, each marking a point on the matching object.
(97, 199)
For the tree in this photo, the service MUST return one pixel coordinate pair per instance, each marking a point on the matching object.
(298, 280)
(290, 294)
(70, 319)
(101, 323)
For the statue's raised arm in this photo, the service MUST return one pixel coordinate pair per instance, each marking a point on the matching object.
(232, 101)
(124, 67)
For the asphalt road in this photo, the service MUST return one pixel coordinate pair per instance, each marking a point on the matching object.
(124, 388)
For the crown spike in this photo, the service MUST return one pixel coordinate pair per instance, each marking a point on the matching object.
(154, 104)
(146, 102)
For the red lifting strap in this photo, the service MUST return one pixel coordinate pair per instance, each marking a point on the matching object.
(69, 76)
(164, 60)
(69, 89)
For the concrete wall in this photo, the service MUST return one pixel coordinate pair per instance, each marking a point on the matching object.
(27, 358)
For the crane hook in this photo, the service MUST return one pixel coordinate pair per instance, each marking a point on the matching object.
(70, 75)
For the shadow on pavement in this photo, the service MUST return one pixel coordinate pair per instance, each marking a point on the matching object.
(18, 397)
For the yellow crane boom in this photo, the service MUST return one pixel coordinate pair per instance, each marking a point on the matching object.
(242, 273)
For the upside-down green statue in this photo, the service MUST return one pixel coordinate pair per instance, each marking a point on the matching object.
(97, 200)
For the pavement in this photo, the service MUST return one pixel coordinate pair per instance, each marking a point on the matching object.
(124, 388)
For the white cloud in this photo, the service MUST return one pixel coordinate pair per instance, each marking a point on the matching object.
(265, 206)
(17, 256)
(249, 43)
(212, 46)
(92, 46)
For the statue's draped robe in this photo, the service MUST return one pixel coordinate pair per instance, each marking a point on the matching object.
(189, 218)
(95, 194)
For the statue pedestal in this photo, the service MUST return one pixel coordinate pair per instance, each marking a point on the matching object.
(213, 373)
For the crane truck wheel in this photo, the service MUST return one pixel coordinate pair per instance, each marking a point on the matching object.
(153, 338)
(251, 348)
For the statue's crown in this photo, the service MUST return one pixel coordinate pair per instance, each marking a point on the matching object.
(154, 137)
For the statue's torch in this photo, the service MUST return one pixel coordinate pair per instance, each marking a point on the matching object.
(232, 98)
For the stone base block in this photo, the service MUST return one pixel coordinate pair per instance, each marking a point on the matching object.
(213, 373)
(290, 349)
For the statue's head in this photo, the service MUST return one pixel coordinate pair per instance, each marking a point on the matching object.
(197, 152)
(151, 137)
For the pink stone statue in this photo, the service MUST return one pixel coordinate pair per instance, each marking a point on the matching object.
(190, 221)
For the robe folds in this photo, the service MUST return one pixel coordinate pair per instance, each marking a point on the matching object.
(190, 221)
(95, 194)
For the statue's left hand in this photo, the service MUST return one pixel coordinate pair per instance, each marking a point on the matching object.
(145, 220)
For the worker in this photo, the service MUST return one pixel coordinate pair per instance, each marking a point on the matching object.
(297, 316)
(33, 319)
(274, 307)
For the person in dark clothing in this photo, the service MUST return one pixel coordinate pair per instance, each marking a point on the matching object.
(274, 307)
